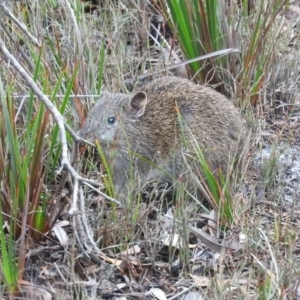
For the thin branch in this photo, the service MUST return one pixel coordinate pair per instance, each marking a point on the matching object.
(82, 231)
(21, 25)
(57, 116)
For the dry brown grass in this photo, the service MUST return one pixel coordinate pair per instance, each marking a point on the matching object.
(266, 225)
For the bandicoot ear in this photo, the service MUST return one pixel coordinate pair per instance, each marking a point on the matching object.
(138, 103)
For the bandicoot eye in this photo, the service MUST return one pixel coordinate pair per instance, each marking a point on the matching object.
(111, 120)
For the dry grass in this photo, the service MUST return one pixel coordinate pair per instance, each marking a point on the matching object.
(260, 259)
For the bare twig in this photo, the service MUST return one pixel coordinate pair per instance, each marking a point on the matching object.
(167, 68)
(82, 232)
(56, 114)
(21, 25)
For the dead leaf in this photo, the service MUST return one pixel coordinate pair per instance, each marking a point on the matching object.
(200, 281)
(157, 293)
(213, 243)
(173, 240)
(193, 296)
(131, 251)
(61, 234)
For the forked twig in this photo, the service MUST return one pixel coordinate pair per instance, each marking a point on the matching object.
(65, 162)
(84, 236)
